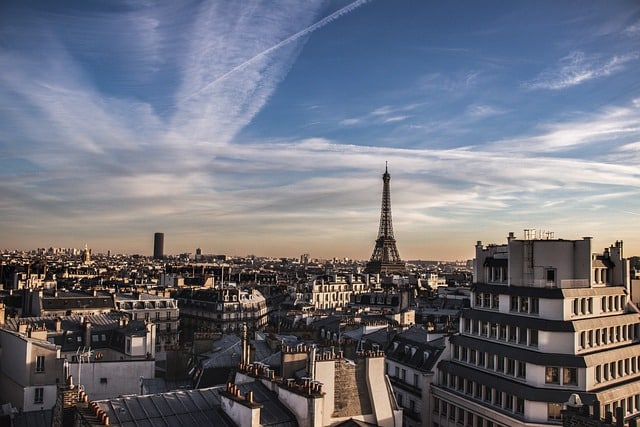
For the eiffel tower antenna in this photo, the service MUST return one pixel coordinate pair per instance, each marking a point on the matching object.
(385, 258)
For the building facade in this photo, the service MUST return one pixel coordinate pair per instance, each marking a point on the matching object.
(106, 355)
(548, 319)
(410, 365)
(221, 310)
(330, 292)
(30, 369)
(161, 310)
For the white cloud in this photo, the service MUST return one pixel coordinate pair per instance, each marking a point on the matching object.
(606, 126)
(350, 122)
(577, 68)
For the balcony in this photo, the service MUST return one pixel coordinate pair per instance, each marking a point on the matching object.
(564, 284)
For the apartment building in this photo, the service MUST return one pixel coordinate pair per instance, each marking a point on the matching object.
(159, 309)
(548, 319)
(410, 365)
(106, 354)
(222, 310)
(30, 370)
(330, 292)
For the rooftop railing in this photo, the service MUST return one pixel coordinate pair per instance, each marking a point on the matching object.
(563, 284)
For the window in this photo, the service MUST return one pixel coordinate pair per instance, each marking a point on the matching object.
(481, 357)
(128, 345)
(522, 369)
(533, 337)
(570, 376)
(554, 411)
(488, 391)
(535, 305)
(490, 364)
(508, 402)
(598, 373)
(103, 380)
(511, 367)
(514, 303)
(551, 276)
(512, 333)
(552, 375)
(493, 327)
(524, 304)
(522, 336)
(39, 363)
(38, 397)
(495, 301)
(503, 332)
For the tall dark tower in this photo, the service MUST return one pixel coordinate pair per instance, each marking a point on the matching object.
(158, 246)
(385, 258)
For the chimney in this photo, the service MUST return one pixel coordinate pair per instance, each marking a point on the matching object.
(87, 333)
(22, 327)
(58, 324)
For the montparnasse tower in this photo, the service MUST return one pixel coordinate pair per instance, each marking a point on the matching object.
(385, 259)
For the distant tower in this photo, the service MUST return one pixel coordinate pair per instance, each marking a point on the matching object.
(86, 255)
(385, 258)
(158, 246)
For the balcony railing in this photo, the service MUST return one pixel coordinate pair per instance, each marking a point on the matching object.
(564, 284)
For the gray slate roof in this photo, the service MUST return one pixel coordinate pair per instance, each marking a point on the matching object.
(186, 407)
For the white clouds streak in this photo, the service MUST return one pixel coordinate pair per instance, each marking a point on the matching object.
(578, 68)
(605, 127)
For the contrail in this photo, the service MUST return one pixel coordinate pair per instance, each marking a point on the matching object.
(321, 23)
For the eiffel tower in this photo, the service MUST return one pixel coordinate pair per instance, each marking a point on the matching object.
(385, 259)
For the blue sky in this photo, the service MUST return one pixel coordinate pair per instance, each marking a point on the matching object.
(264, 126)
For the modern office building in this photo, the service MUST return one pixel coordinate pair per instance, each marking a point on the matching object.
(548, 319)
(158, 246)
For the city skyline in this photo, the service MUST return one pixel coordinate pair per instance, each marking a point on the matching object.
(262, 127)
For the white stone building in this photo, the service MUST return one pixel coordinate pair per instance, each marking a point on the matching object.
(159, 309)
(106, 354)
(548, 319)
(330, 292)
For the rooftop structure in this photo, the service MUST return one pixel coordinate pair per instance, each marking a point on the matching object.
(548, 319)
(102, 352)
